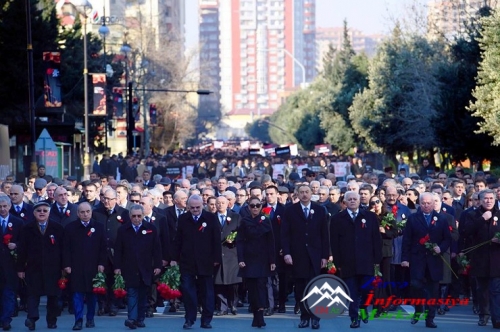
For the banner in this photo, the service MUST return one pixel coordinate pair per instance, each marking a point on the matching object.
(283, 151)
(342, 169)
(324, 149)
(52, 79)
(173, 172)
(99, 82)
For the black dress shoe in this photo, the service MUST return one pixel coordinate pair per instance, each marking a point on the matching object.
(78, 326)
(140, 323)
(6, 327)
(414, 319)
(150, 314)
(220, 313)
(392, 307)
(482, 322)
(282, 309)
(90, 323)
(187, 325)
(365, 320)
(112, 313)
(234, 311)
(268, 312)
(431, 325)
(315, 324)
(440, 311)
(206, 326)
(239, 304)
(303, 323)
(30, 324)
(130, 324)
(172, 308)
(354, 324)
(52, 326)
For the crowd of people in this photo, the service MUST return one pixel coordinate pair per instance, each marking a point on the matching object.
(239, 235)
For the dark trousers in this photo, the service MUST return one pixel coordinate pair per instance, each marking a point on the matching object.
(359, 294)
(8, 305)
(137, 303)
(282, 288)
(257, 292)
(52, 308)
(483, 296)
(78, 302)
(300, 286)
(495, 299)
(189, 287)
(401, 276)
(425, 289)
(225, 296)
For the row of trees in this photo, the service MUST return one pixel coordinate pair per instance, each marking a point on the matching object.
(416, 95)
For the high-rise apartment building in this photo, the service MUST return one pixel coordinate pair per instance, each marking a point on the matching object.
(449, 17)
(265, 47)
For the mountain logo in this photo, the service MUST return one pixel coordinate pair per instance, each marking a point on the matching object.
(326, 296)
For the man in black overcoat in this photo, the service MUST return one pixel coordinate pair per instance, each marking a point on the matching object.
(356, 248)
(10, 228)
(137, 259)
(304, 238)
(426, 266)
(226, 274)
(84, 255)
(481, 225)
(197, 262)
(39, 264)
(19, 208)
(62, 211)
(112, 217)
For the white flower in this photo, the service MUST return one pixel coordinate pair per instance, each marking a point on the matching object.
(92, 229)
(312, 211)
(10, 224)
(435, 218)
(153, 218)
(204, 224)
(363, 221)
(22, 215)
(444, 209)
(228, 218)
(119, 217)
(144, 232)
(403, 216)
(494, 218)
(262, 218)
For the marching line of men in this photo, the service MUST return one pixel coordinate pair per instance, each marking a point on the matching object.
(99, 235)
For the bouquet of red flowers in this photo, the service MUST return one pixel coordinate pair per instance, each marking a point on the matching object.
(330, 267)
(62, 282)
(377, 279)
(119, 287)
(99, 284)
(464, 264)
(169, 283)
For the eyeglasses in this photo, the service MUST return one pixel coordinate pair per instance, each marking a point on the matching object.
(375, 202)
(44, 211)
(253, 206)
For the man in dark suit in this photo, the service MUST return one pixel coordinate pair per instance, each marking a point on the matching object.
(226, 274)
(84, 255)
(159, 220)
(304, 238)
(174, 212)
(136, 241)
(426, 267)
(356, 249)
(90, 194)
(458, 193)
(276, 215)
(10, 228)
(39, 263)
(197, 262)
(112, 216)
(62, 211)
(19, 208)
(148, 182)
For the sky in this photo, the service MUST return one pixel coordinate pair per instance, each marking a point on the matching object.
(369, 16)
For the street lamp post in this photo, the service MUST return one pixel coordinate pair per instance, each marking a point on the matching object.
(303, 84)
(104, 32)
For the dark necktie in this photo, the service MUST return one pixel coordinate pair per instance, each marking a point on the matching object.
(136, 228)
(195, 218)
(179, 212)
(61, 209)
(222, 220)
(271, 215)
(427, 219)
(42, 228)
(354, 214)
(4, 225)
(306, 212)
(18, 208)
(147, 219)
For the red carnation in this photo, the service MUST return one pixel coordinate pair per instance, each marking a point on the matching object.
(394, 210)
(7, 238)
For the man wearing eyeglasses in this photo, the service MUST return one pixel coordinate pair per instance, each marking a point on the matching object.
(39, 264)
(62, 211)
(112, 216)
(197, 262)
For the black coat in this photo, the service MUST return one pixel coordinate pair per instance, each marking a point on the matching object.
(276, 221)
(26, 213)
(40, 257)
(485, 259)
(70, 215)
(197, 248)
(161, 225)
(111, 223)
(83, 251)
(387, 237)
(227, 272)
(172, 222)
(137, 254)
(356, 245)
(255, 244)
(416, 254)
(306, 240)
(8, 271)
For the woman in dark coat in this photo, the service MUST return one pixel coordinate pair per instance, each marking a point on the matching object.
(388, 233)
(255, 246)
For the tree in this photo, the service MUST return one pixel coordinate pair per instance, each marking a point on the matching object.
(259, 130)
(396, 112)
(487, 92)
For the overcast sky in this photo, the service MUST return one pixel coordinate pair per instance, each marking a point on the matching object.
(369, 16)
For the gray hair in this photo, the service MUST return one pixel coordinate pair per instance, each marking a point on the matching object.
(136, 207)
